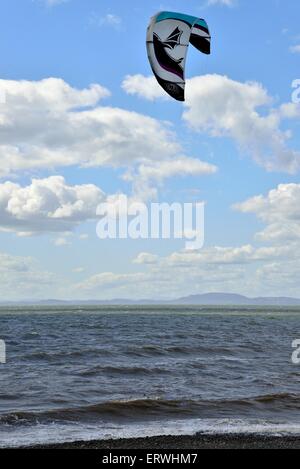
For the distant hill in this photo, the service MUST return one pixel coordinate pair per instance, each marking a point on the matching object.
(207, 299)
(233, 299)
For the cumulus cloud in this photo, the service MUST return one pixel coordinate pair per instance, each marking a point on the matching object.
(291, 110)
(280, 204)
(280, 210)
(181, 166)
(47, 205)
(48, 124)
(223, 107)
(226, 255)
(151, 174)
(143, 87)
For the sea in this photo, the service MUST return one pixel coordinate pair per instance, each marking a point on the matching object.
(86, 373)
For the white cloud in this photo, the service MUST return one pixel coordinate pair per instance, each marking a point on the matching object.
(161, 280)
(146, 258)
(143, 87)
(48, 124)
(225, 256)
(47, 205)
(50, 94)
(151, 174)
(280, 210)
(286, 232)
(181, 166)
(224, 107)
(254, 270)
(282, 277)
(61, 242)
(232, 269)
(14, 264)
(280, 205)
(290, 110)
(21, 277)
(295, 49)
(110, 280)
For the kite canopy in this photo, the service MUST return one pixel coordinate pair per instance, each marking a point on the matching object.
(168, 38)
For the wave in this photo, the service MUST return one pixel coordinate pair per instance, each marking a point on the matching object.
(62, 433)
(126, 370)
(141, 409)
(148, 350)
(153, 350)
(51, 356)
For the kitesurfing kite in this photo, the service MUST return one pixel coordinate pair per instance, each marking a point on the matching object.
(168, 38)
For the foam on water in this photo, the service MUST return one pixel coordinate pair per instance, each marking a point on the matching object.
(57, 433)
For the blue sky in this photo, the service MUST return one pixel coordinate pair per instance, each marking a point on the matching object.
(239, 119)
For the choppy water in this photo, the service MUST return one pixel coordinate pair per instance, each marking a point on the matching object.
(106, 372)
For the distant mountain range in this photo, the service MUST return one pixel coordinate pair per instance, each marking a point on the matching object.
(212, 299)
(232, 299)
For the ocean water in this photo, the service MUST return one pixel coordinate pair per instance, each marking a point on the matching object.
(82, 373)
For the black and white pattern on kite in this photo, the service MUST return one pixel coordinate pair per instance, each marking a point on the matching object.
(201, 43)
(173, 40)
(167, 62)
(200, 38)
(173, 89)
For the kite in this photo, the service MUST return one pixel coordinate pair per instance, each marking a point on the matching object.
(168, 38)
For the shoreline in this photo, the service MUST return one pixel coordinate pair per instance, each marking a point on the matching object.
(198, 441)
